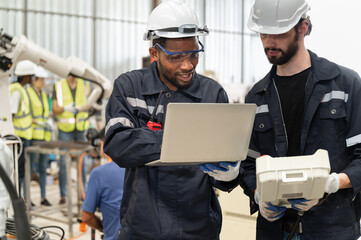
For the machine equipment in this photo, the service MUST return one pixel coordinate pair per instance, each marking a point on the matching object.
(282, 178)
(16, 49)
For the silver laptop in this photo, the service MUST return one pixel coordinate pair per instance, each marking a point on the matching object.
(197, 133)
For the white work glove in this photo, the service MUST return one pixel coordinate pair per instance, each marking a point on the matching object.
(41, 124)
(49, 127)
(333, 183)
(71, 108)
(45, 126)
(222, 171)
(269, 211)
(302, 204)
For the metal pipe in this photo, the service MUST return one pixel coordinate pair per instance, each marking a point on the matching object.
(26, 17)
(242, 45)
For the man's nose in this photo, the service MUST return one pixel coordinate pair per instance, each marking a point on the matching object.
(187, 64)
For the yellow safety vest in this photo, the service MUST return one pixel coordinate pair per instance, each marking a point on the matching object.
(40, 113)
(22, 119)
(66, 120)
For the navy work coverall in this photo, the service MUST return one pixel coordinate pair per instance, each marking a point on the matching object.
(332, 121)
(168, 202)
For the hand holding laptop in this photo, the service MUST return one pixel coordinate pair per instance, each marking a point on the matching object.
(222, 171)
(203, 141)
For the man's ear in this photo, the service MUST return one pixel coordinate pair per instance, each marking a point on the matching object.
(303, 28)
(153, 54)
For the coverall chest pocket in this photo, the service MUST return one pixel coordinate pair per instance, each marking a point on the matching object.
(331, 129)
(333, 116)
(263, 129)
(332, 110)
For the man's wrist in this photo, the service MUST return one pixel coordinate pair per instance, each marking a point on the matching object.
(344, 181)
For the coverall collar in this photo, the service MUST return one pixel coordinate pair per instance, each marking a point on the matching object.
(153, 84)
(320, 71)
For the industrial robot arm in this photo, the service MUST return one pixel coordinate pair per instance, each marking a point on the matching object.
(15, 49)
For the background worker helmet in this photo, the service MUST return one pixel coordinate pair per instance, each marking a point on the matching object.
(276, 16)
(40, 72)
(25, 68)
(173, 19)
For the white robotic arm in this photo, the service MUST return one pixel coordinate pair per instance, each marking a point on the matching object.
(103, 86)
(15, 49)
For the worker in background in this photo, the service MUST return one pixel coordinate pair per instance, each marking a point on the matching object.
(105, 192)
(69, 94)
(41, 129)
(168, 202)
(20, 110)
(305, 103)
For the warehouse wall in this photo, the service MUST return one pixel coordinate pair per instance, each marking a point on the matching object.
(233, 52)
(108, 33)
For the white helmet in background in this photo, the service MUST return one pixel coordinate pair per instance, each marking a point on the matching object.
(25, 68)
(173, 19)
(276, 16)
(40, 72)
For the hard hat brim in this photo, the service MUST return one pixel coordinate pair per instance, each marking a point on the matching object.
(268, 30)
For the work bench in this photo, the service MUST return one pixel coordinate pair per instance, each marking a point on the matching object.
(69, 150)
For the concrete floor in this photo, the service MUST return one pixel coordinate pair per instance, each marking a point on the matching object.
(58, 212)
(236, 219)
(237, 223)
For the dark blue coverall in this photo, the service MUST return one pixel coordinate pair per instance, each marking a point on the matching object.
(168, 202)
(332, 121)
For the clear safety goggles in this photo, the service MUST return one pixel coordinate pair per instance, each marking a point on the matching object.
(177, 57)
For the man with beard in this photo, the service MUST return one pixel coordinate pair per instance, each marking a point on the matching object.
(168, 202)
(304, 103)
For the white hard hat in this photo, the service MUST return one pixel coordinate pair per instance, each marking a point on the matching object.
(276, 16)
(24, 68)
(40, 72)
(173, 19)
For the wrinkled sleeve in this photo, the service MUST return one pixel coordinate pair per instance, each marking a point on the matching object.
(126, 142)
(227, 186)
(222, 96)
(353, 138)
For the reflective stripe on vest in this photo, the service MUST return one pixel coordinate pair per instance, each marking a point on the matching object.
(22, 119)
(66, 120)
(40, 113)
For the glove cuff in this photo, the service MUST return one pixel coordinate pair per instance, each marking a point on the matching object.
(256, 197)
(333, 183)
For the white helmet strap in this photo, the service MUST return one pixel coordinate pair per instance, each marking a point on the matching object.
(183, 29)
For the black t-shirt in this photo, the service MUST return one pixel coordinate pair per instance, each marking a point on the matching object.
(291, 90)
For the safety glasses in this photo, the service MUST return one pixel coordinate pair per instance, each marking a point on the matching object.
(177, 57)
